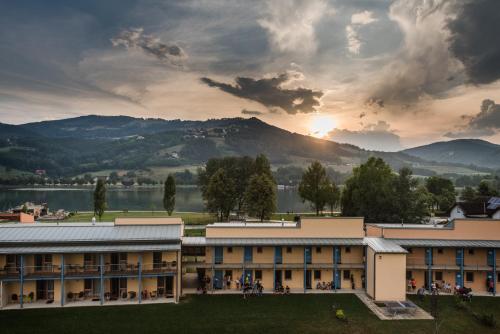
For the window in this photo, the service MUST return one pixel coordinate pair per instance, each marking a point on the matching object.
(498, 278)
(317, 274)
(259, 249)
(347, 274)
(409, 274)
(440, 251)
(289, 250)
(438, 275)
(229, 273)
(469, 276)
(288, 274)
(318, 250)
(258, 274)
(230, 249)
(348, 249)
(157, 263)
(471, 251)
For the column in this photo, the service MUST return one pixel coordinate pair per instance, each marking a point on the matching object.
(21, 281)
(62, 279)
(335, 267)
(177, 276)
(305, 267)
(139, 283)
(101, 277)
(462, 273)
(429, 267)
(274, 267)
(494, 271)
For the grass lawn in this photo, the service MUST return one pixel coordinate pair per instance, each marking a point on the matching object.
(190, 218)
(232, 314)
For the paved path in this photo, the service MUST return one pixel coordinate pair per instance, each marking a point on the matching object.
(383, 314)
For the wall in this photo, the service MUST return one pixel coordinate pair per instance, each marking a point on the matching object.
(309, 227)
(390, 277)
(370, 272)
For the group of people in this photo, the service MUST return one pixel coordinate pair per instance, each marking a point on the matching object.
(280, 289)
(326, 286)
(255, 289)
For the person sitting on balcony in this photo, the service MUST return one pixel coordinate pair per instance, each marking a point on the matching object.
(413, 284)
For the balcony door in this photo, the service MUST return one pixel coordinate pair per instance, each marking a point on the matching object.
(118, 287)
(45, 290)
(43, 262)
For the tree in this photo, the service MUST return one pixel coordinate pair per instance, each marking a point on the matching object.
(369, 192)
(260, 196)
(484, 189)
(314, 186)
(332, 196)
(468, 194)
(262, 166)
(220, 197)
(442, 190)
(100, 198)
(169, 194)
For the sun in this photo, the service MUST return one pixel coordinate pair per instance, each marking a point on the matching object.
(320, 125)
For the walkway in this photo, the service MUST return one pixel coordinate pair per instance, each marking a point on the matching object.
(383, 314)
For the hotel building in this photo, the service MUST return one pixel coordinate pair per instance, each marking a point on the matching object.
(145, 260)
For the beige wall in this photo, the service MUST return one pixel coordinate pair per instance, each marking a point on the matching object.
(464, 229)
(386, 276)
(309, 227)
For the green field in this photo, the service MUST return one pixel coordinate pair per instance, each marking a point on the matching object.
(232, 314)
(189, 218)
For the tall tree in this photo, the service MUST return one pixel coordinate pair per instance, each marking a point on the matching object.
(369, 192)
(332, 196)
(169, 194)
(486, 189)
(262, 166)
(314, 186)
(468, 194)
(220, 194)
(260, 196)
(442, 190)
(100, 198)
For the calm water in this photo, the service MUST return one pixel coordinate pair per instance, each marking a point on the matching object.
(80, 199)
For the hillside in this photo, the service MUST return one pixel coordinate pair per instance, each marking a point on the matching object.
(92, 143)
(462, 151)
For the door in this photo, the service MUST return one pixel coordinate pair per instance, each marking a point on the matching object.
(115, 287)
(308, 279)
(219, 255)
(157, 259)
(278, 278)
(218, 279)
(248, 254)
(490, 258)
(278, 255)
(45, 290)
(115, 261)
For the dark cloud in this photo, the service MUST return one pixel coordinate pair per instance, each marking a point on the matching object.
(250, 112)
(377, 136)
(270, 93)
(135, 38)
(485, 123)
(474, 39)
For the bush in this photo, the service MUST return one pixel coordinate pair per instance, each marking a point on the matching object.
(339, 314)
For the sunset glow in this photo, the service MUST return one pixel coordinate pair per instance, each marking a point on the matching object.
(321, 124)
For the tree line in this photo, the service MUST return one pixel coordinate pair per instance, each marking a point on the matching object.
(246, 186)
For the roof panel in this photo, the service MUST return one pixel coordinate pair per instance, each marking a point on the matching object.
(381, 245)
(283, 241)
(447, 243)
(88, 249)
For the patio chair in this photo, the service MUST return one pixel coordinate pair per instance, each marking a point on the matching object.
(14, 297)
(132, 295)
(124, 295)
(70, 296)
(152, 294)
(81, 295)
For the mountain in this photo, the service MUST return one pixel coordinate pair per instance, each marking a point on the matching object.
(93, 143)
(462, 151)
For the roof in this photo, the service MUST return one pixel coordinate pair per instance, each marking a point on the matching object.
(381, 245)
(482, 207)
(254, 224)
(78, 232)
(148, 221)
(413, 226)
(33, 249)
(194, 241)
(284, 241)
(447, 243)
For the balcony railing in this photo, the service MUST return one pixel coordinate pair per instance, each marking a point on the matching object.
(420, 263)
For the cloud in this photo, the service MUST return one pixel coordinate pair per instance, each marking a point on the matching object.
(485, 123)
(136, 39)
(357, 20)
(376, 136)
(474, 40)
(251, 112)
(291, 24)
(424, 66)
(271, 93)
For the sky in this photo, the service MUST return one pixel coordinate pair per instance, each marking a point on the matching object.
(383, 75)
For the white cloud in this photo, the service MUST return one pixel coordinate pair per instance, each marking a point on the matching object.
(357, 20)
(291, 24)
(365, 17)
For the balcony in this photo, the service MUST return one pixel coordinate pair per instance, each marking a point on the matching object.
(420, 263)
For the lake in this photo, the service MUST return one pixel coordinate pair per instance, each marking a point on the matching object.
(80, 199)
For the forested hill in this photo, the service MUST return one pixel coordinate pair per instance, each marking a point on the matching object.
(73, 146)
(463, 151)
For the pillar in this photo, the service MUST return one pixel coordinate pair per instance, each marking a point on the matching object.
(62, 279)
(101, 278)
(139, 283)
(21, 281)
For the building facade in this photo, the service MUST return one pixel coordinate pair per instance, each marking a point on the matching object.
(141, 260)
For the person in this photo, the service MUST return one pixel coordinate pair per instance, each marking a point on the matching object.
(408, 286)
(492, 287)
(323, 286)
(287, 290)
(421, 293)
(413, 284)
(318, 285)
(433, 287)
(228, 284)
(241, 282)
